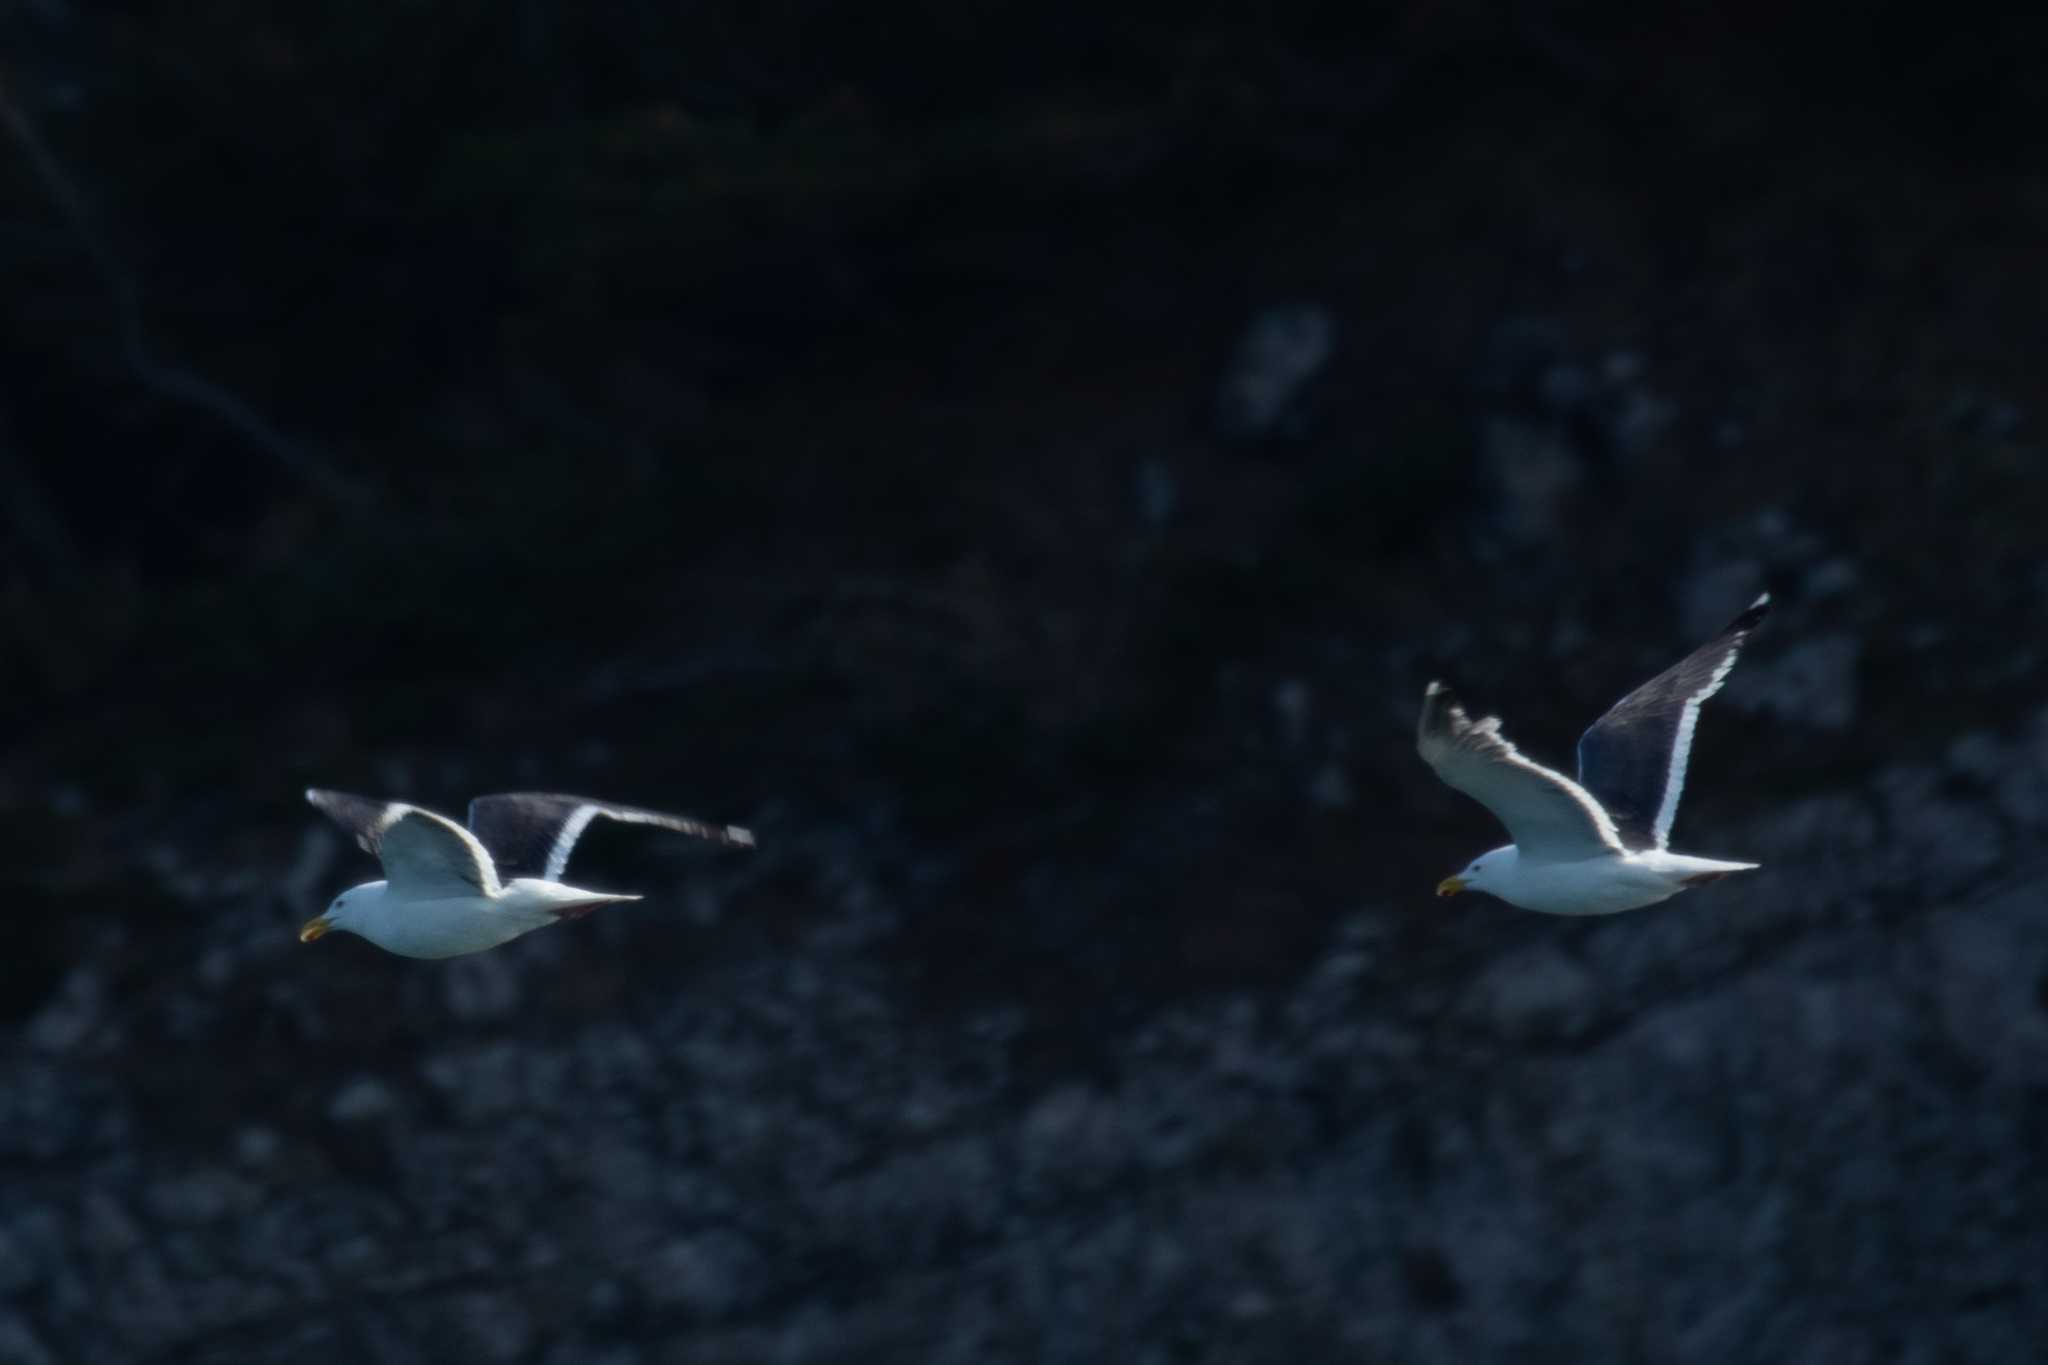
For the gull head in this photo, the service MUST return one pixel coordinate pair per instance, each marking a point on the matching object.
(345, 912)
(1485, 873)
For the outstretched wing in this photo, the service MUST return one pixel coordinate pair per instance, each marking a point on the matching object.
(425, 856)
(1550, 817)
(1633, 758)
(531, 834)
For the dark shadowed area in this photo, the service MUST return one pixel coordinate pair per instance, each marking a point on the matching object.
(1024, 462)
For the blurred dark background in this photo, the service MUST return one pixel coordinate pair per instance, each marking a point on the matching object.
(1025, 462)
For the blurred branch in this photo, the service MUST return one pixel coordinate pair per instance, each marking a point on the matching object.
(167, 380)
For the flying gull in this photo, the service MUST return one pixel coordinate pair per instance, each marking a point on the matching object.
(450, 890)
(1596, 846)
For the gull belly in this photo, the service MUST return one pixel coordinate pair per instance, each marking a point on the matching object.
(1609, 884)
(448, 927)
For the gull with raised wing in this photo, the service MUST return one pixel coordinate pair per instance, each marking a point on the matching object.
(1599, 845)
(448, 890)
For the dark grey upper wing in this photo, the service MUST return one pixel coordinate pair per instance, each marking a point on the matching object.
(1633, 758)
(531, 834)
(424, 855)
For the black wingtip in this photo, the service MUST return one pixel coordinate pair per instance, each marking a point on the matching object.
(1752, 616)
(1440, 711)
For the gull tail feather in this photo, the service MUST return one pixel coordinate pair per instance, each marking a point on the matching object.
(577, 909)
(1700, 871)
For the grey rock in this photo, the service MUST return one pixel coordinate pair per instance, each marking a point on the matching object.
(1537, 992)
(257, 1147)
(480, 1082)
(1249, 1305)
(19, 1344)
(1991, 961)
(216, 967)
(489, 1327)
(703, 906)
(199, 1197)
(71, 1015)
(619, 1167)
(1829, 839)
(574, 1352)
(1632, 416)
(1983, 416)
(105, 1228)
(1073, 1137)
(1622, 367)
(1158, 492)
(146, 1308)
(482, 986)
(1565, 388)
(365, 1099)
(1980, 756)
(606, 1304)
(354, 1258)
(1531, 469)
(1292, 705)
(1831, 578)
(917, 1203)
(1530, 377)
(709, 1275)
(1937, 843)
(1331, 787)
(2020, 777)
(31, 1245)
(1811, 683)
(1283, 349)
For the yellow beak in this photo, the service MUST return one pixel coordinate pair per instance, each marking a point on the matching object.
(1450, 886)
(315, 928)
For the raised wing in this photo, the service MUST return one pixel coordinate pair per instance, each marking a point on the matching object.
(531, 834)
(1550, 817)
(1633, 758)
(425, 856)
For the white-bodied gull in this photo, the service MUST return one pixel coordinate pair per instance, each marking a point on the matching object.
(1596, 846)
(449, 890)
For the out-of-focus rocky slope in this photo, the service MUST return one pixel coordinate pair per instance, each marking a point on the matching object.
(1186, 1068)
